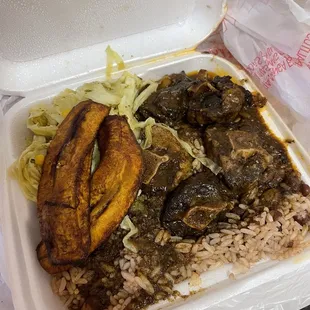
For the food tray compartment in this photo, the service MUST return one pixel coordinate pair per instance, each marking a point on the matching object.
(30, 284)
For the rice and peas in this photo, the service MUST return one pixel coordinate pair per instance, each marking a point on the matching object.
(240, 243)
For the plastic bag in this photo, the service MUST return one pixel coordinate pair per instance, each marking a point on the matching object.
(267, 39)
(300, 9)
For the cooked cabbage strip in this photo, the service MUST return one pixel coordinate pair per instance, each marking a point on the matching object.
(207, 162)
(43, 120)
(113, 57)
(25, 169)
(127, 224)
(150, 87)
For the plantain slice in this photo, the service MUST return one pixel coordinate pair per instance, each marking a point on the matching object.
(114, 185)
(42, 254)
(46, 263)
(63, 135)
(116, 181)
(107, 178)
(63, 195)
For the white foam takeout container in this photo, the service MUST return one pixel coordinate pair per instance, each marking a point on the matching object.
(30, 285)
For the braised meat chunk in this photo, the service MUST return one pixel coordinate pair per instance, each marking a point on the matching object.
(239, 154)
(167, 163)
(191, 134)
(195, 203)
(223, 83)
(169, 104)
(216, 101)
(221, 107)
(198, 100)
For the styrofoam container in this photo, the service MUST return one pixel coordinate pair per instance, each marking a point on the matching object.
(46, 42)
(29, 283)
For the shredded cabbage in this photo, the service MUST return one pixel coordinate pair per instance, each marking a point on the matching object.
(113, 57)
(44, 120)
(147, 125)
(122, 95)
(150, 87)
(127, 224)
(66, 100)
(27, 170)
(207, 162)
(126, 106)
(99, 93)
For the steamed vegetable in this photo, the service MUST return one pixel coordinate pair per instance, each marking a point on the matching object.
(113, 57)
(127, 224)
(44, 120)
(204, 160)
(122, 95)
(27, 169)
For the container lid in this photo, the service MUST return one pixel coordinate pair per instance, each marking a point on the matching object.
(45, 42)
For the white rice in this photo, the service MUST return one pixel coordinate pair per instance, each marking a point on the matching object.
(240, 243)
(66, 285)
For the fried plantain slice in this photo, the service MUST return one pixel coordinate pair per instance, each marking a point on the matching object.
(63, 135)
(116, 181)
(107, 178)
(63, 196)
(42, 254)
(45, 261)
(114, 184)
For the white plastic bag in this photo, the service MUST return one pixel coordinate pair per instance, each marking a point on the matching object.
(300, 10)
(267, 39)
